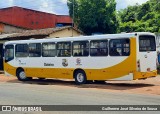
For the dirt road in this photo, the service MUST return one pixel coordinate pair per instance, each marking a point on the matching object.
(148, 86)
(65, 92)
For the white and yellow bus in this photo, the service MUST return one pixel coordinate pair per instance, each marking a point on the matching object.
(126, 56)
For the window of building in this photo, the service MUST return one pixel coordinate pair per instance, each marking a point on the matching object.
(64, 49)
(21, 50)
(99, 48)
(80, 48)
(34, 50)
(119, 47)
(48, 49)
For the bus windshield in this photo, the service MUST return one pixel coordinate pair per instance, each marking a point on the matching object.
(9, 52)
(147, 43)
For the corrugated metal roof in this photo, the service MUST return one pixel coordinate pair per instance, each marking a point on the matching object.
(2, 36)
(42, 31)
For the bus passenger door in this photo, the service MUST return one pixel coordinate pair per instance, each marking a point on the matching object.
(1, 56)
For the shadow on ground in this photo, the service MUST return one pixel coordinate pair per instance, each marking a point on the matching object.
(107, 85)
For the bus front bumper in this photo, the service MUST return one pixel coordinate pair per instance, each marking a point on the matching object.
(144, 75)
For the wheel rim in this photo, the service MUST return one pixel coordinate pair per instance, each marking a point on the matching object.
(80, 77)
(22, 75)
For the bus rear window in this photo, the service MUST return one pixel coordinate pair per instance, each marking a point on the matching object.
(147, 43)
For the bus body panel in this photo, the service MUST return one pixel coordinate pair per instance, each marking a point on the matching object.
(96, 68)
(147, 58)
(147, 61)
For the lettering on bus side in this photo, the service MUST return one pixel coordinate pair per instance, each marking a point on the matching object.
(48, 64)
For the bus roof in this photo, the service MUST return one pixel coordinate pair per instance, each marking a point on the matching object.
(81, 38)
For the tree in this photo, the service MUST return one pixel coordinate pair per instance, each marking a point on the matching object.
(92, 16)
(140, 18)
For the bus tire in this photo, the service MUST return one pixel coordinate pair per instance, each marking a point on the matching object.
(80, 77)
(22, 76)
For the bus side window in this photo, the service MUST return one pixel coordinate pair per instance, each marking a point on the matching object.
(21, 50)
(119, 47)
(99, 48)
(80, 48)
(34, 50)
(49, 49)
(64, 49)
(126, 47)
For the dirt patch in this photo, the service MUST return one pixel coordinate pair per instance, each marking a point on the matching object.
(148, 86)
(7, 78)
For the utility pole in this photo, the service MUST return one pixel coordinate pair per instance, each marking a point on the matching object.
(72, 16)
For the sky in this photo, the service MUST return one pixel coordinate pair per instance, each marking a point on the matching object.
(58, 7)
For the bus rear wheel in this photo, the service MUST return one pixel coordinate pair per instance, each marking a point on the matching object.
(80, 77)
(22, 76)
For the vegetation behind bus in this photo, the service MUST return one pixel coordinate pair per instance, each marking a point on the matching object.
(91, 16)
(138, 18)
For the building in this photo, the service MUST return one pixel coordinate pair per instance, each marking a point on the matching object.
(31, 19)
(8, 29)
(17, 23)
(57, 32)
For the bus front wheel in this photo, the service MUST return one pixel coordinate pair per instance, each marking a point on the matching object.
(22, 76)
(80, 77)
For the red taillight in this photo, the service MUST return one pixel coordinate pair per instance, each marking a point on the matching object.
(138, 64)
(148, 69)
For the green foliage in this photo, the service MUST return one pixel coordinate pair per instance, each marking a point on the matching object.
(140, 18)
(92, 16)
(100, 16)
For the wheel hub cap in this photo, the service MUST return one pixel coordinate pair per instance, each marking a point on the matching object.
(80, 77)
(22, 75)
